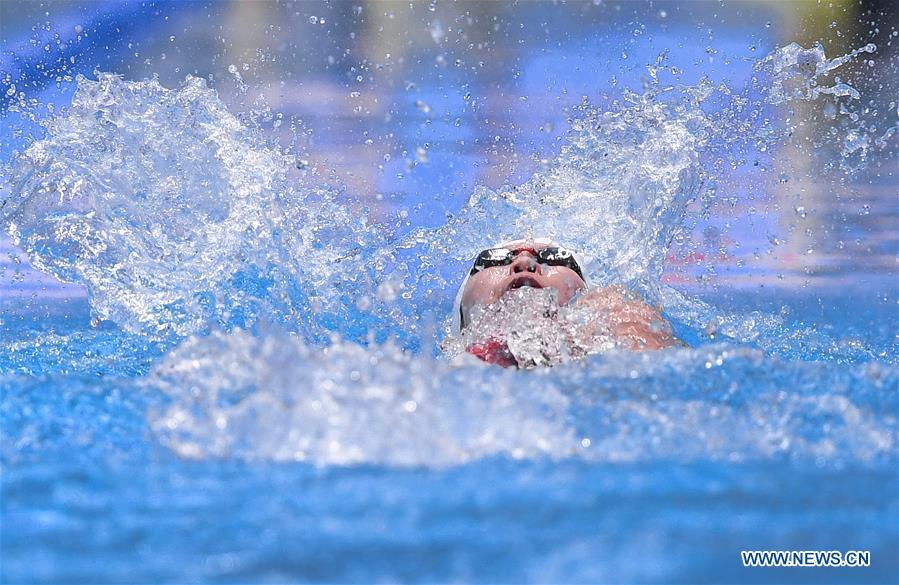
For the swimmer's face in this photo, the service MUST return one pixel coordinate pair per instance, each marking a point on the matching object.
(490, 284)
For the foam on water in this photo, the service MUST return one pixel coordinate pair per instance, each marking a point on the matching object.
(180, 218)
(274, 397)
(279, 398)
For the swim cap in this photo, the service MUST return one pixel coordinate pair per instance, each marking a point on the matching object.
(457, 304)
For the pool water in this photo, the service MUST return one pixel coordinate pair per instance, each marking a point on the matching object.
(225, 293)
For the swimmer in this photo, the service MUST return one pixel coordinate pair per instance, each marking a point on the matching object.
(594, 318)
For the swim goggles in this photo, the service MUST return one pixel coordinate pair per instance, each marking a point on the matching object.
(551, 256)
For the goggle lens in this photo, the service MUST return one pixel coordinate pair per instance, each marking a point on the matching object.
(553, 256)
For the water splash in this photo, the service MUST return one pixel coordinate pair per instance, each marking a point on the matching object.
(278, 398)
(181, 218)
(617, 192)
(793, 74)
(175, 215)
(530, 328)
(238, 395)
(635, 175)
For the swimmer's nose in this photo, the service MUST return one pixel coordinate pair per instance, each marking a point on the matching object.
(524, 262)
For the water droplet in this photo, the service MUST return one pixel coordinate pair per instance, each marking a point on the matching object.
(437, 32)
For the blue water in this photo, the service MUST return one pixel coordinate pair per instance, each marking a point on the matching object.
(208, 400)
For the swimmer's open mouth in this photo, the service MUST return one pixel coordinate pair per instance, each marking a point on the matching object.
(523, 281)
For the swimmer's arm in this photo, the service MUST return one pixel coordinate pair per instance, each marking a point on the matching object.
(628, 319)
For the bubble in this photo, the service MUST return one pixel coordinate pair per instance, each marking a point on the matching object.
(423, 106)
